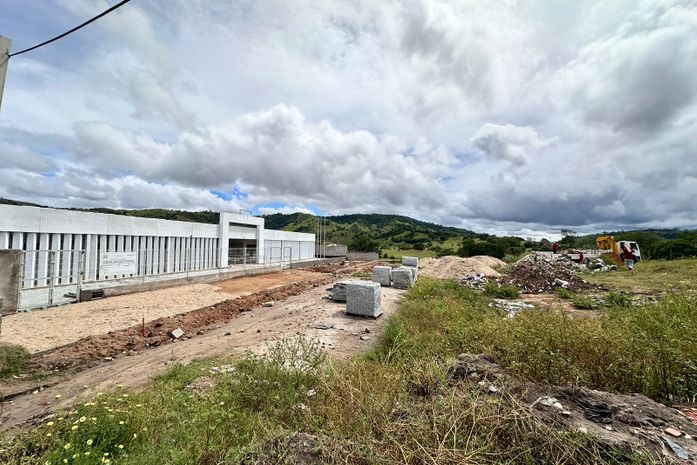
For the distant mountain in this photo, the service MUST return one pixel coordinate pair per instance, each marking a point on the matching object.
(389, 230)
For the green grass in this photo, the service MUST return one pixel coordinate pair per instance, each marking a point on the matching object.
(564, 293)
(501, 292)
(643, 349)
(398, 254)
(12, 359)
(651, 275)
(361, 411)
(583, 302)
(394, 405)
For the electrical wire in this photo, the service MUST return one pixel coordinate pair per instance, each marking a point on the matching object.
(104, 13)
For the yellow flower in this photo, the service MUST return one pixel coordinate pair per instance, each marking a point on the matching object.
(125, 395)
(76, 455)
(145, 428)
(82, 419)
(50, 423)
(94, 418)
(65, 460)
(120, 446)
(106, 454)
(89, 442)
(49, 435)
(135, 435)
(87, 453)
(121, 422)
(74, 427)
(67, 446)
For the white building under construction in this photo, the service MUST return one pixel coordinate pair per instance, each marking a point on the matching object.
(66, 247)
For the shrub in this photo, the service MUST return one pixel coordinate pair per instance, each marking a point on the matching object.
(501, 292)
(618, 299)
(582, 302)
(12, 359)
(564, 293)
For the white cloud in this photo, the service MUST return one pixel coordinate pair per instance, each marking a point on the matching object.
(584, 112)
(508, 142)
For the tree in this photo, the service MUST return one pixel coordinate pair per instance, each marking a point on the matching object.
(363, 243)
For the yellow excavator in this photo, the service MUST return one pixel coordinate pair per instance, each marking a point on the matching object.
(615, 248)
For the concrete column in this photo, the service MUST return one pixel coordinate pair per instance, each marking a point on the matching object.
(260, 243)
(4, 240)
(119, 243)
(224, 235)
(55, 248)
(177, 253)
(77, 248)
(67, 258)
(42, 266)
(148, 255)
(30, 261)
(90, 257)
(17, 240)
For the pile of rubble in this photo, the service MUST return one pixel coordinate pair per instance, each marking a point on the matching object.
(474, 281)
(544, 273)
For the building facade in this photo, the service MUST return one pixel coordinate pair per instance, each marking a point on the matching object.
(70, 246)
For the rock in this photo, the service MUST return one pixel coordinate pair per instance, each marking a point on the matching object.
(363, 298)
(410, 261)
(267, 304)
(227, 334)
(364, 338)
(676, 433)
(382, 275)
(582, 429)
(177, 333)
(366, 330)
(323, 326)
(493, 389)
(402, 278)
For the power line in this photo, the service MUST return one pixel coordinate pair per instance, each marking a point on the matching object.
(104, 13)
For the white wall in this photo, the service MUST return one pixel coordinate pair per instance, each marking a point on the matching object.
(163, 246)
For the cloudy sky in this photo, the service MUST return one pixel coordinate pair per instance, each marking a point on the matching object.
(499, 116)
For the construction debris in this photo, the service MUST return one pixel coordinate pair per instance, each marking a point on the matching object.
(177, 333)
(512, 307)
(267, 304)
(543, 273)
(598, 266)
(475, 281)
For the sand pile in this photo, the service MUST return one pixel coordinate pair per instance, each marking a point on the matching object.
(459, 267)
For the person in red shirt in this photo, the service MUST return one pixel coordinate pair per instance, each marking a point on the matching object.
(555, 247)
(628, 256)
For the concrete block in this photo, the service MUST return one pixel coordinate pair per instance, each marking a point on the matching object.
(402, 278)
(414, 271)
(382, 275)
(410, 261)
(339, 290)
(363, 298)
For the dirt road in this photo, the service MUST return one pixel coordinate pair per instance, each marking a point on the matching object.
(40, 330)
(301, 314)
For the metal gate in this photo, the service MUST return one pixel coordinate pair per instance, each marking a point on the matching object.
(287, 258)
(50, 277)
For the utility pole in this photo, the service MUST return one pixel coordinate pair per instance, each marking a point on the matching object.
(4, 60)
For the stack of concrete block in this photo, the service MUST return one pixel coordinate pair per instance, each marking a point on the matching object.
(412, 263)
(339, 290)
(382, 275)
(363, 298)
(402, 277)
